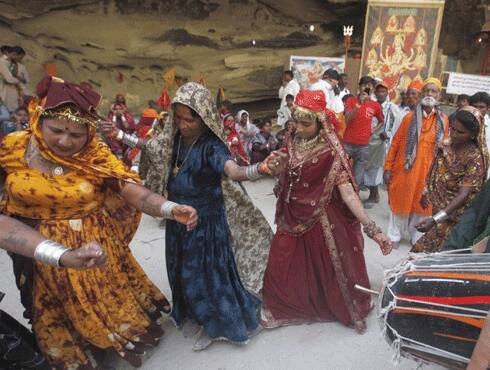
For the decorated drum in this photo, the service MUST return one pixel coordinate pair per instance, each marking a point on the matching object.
(432, 307)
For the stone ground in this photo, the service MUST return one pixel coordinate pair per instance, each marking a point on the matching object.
(316, 346)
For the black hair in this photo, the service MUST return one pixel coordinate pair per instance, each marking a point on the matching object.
(227, 104)
(5, 48)
(289, 96)
(462, 97)
(469, 121)
(364, 80)
(289, 73)
(346, 96)
(480, 96)
(332, 73)
(17, 50)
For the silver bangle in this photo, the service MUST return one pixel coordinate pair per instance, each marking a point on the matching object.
(49, 252)
(167, 208)
(129, 140)
(440, 216)
(253, 173)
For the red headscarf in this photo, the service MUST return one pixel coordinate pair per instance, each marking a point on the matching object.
(315, 101)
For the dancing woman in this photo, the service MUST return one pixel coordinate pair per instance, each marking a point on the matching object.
(211, 269)
(316, 256)
(63, 181)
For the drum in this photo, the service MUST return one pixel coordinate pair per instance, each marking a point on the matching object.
(432, 307)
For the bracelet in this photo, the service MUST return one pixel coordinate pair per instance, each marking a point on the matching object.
(49, 252)
(371, 229)
(167, 208)
(253, 173)
(440, 216)
(120, 135)
(129, 140)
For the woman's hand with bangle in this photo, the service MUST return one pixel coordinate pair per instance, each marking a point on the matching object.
(110, 129)
(425, 224)
(183, 214)
(88, 256)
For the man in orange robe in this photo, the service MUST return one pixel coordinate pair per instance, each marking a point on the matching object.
(409, 161)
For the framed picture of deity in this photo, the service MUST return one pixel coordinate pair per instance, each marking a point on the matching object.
(309, 69)
(400, 41)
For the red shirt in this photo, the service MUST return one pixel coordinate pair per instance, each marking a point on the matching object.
(358, 131)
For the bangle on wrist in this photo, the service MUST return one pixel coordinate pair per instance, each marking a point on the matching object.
(167, 208)
(49, 252)
(440, 216)
(253, 173)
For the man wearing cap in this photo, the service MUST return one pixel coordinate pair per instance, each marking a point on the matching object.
(381, 132)
(409, 159)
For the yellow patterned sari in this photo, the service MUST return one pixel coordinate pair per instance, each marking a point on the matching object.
(113, 307)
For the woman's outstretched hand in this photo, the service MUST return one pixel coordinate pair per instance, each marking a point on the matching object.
(277, 162)
(186, 215)
(384, 243)
(88, 256)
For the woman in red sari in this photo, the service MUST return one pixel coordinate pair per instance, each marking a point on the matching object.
(316, 257)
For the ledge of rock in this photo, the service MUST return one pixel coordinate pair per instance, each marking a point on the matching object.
(127, 45)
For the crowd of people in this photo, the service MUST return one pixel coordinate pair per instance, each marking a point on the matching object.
(77, 183)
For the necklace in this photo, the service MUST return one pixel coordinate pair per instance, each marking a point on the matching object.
(305, 145)
(177, 168)
(32, 156)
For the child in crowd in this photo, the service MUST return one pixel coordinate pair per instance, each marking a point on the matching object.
(263, 143)
(234, 142)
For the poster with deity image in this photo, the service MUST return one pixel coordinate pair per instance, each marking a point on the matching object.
(400, 41)
(308, 69)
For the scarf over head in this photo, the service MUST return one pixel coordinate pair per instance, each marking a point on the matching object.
(481, 138)
(67, 101)
(315, 102)
(310, 106)
(416, 85)
(416, 127)
(250, 231)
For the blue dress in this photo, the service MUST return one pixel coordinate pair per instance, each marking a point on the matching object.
(201, 267)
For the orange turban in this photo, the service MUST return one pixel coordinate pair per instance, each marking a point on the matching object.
(150, 113)
(415, 85)
(433, 80)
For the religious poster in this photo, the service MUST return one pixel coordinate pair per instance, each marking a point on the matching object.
(308, 70)
(400, 41)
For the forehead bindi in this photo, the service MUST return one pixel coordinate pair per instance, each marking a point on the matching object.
(71, 127)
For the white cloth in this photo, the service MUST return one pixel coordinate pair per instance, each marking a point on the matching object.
(292, 88)
(283, 115)
(334, 102)
(343, 92)
(373, 176)
(392, 114)
(404, 226)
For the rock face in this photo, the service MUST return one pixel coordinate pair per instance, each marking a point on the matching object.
(127, 45)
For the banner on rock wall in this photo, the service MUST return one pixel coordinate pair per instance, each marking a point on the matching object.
(400, 41)
(308, 69)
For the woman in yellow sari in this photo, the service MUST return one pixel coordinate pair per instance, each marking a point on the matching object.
(63, 181)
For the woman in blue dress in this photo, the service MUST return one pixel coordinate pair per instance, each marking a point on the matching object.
(213, 269)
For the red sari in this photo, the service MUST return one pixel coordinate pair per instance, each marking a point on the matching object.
(316, 256)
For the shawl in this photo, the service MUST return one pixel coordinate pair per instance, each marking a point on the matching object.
(414, 135)
(95, 159)
(481, 140)
(250, 232)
